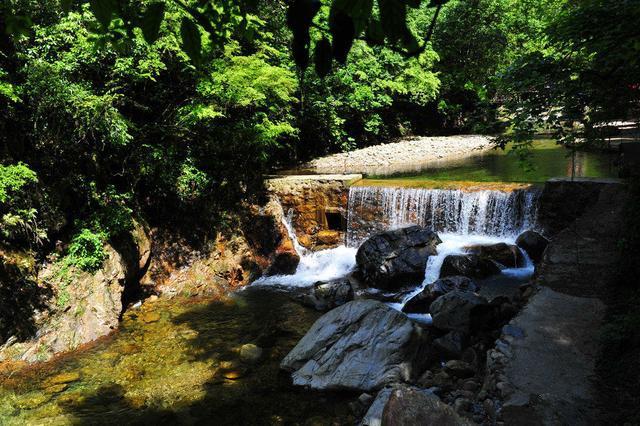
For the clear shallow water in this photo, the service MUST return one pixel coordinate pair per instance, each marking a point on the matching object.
(548, 160)
(177, 362)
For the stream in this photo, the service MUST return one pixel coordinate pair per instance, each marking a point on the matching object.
(181, 360)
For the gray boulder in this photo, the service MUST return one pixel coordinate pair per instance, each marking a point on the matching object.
(326, 295)
(393, 259)
(533, 243)
(362, 345)
(421, 302)
(454, 311)
(469, 265)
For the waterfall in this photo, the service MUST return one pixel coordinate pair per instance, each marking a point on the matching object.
(287, 222)
(454, 211)
(323, 265)
(460, 217)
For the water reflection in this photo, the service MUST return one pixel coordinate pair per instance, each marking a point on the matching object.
(547, 160)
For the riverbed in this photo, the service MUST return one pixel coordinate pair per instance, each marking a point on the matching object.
(178, 361)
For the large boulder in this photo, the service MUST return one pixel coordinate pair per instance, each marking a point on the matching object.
(455, 310)
(469, 265)
(533, 244)
(421, 302)
(326, 295)
(361, 345)
(507, 255)
(397, 258)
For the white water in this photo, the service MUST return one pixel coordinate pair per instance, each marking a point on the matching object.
(453, 244)
(496, 213)
(323, 265)
(461, 219)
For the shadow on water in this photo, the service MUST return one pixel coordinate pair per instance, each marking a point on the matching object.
(186, 368)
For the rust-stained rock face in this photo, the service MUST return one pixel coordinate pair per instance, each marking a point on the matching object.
(318, 205)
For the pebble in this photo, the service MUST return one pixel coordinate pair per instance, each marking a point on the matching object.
(470, 385)
(149, 317)
(250, 352)
(462, 405)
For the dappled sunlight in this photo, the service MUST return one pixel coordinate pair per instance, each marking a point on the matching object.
(183, 362)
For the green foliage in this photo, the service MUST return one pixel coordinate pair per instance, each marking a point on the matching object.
(13, 179)
(192, 183)
(86, 250)
(355, 103)
(7, 90)
(583, 75)
(18, 217)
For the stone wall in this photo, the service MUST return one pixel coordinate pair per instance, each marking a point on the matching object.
(318, 204)
(584, 221)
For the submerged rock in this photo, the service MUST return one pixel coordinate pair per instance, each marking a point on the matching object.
(397, 258)
(250, 352)
(533, 244)
(421, 302)
(507, 255)
(469, 265)
(327, 295)
(361, 345)
(454, 311)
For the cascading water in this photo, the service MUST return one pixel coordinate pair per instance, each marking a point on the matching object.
(461, 218)
(487, 212)
(323, 265)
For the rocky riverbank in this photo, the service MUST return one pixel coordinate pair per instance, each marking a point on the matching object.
(405, 155)
(512, 358)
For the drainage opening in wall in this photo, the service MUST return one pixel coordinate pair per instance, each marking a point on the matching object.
(334, 220)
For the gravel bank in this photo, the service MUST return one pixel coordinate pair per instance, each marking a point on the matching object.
(405, 155)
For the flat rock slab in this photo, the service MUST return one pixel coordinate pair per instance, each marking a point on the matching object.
(552, 360)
